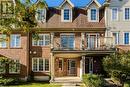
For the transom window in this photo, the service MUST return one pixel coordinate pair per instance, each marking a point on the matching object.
(15, 40)
(93, 15)
(114, 14)
(3, 43)
(41, 15)
(127, 13)
(126, 38)
(66, 15)
(67, 41)
(40, 64)
(44, 40)
(14, 67)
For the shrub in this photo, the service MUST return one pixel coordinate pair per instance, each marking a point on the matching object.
(92, 80)
(127, 84)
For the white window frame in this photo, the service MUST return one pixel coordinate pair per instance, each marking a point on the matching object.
(62, 63)
(124, 37)
(97, 15)
(33, 41)
(15, 41)
(70, 15)
(44, 11)
(124, 14)
(67, 34)
(97, 39)
(38, 65)
(1, 37)
(117, 14)
(117, 38)
(15, 66)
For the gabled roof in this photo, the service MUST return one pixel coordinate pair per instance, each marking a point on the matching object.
(95, 1)
(68, 1)
(43, 1)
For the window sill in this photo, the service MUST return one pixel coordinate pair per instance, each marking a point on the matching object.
(3, 47)
(15, 47)
(41, 71)
(41, 46)
(14, 73)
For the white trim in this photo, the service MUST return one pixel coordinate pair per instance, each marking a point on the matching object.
(117, 18)
(97, 15)
(117, 38)
(15, 41)
(65, 2)
(37, 58)
(124, 37)
(67, 34)
(98, 4)
(43, 11)
(70, 15)
(124, 14)
(43, 2)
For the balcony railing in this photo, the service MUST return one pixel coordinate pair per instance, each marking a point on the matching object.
(102, 43)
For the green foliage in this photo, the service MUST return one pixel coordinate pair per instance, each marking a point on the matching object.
(127, 84)
(8, 81)
(92, 80)
(117, 65)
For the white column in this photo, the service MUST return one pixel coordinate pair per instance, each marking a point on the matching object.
(52, 67)
(82, 66)
(52, 40)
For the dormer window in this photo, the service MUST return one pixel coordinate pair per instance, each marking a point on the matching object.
(41, 15)
(93, 15)
(66, 15)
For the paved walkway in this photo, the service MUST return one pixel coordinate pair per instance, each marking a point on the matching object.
(70, 85)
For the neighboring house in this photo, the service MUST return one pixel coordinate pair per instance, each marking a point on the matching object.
(118, 23)
(72, 42)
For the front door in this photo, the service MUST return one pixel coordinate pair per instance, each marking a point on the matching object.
(72, 67)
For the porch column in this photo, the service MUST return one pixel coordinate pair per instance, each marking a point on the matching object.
(52, 40)
(82, 66)
(52, 68)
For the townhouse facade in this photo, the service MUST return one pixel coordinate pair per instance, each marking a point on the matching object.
(117, 23)
(72, 41)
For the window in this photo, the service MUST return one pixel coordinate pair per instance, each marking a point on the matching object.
(67, 41)
(40, 64)
(15, 40)
(14, 67)
(92, 41)
(114, 14)
(93, 15)
(41, 15)
(44, 40)
(66, 15)
(7, 7)
(126, 38)
(127, 14)
(61, 64)
(116, 38)
(2, 67)
(3, 43)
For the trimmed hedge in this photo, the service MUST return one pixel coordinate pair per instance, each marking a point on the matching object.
(92, 80)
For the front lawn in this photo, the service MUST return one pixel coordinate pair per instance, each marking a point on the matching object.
(35, 84)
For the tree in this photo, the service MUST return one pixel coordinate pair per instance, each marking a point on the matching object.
(117, 65)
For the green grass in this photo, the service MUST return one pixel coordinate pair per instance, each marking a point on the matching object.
(33, 84)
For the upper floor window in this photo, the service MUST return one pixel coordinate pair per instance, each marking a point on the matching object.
(41, 14)
(127, 14)
(7, 7)
(66, 15)
(67, 41)
(44, 40)
(3, 43)
(14, 67)
(93, 15)
(15, 40)
(126, 38)
(92, 41)
(114, 14)
(116, 38)
(40, 64)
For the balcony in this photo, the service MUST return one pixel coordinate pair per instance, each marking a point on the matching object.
(98, 44)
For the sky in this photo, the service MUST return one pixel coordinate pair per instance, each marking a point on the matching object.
(77, 3)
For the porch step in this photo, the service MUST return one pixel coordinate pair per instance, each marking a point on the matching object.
(68, 81)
